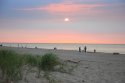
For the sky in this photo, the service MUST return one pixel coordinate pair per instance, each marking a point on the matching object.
(43, 21)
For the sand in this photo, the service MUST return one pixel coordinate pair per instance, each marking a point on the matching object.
(82, 67)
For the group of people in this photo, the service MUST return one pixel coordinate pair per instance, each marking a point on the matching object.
(85, 49)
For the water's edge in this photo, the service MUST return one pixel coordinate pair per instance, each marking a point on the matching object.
(107, 48)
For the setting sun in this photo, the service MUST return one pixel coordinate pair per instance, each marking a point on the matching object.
(66, 19)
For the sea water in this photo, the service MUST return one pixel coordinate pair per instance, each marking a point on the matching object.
(108, 48)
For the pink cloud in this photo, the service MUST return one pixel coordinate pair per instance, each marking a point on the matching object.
(66, 8)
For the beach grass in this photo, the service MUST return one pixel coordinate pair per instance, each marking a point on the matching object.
(31, 60)
(11, 64)
(48, 62)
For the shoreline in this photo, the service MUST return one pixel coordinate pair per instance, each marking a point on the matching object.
(62, 50)
(104, 48)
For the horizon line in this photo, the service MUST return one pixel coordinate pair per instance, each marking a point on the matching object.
(59, 43)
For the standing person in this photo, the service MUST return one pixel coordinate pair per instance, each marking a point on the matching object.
(18, 45)
(94, 51)
(79, 49)
(85, 48)
(1, 45)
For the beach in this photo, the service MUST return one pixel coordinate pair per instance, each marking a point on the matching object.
(86, 67)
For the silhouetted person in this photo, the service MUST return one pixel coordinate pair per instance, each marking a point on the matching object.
(55, 48)
(79, 49)
(94, 51)
(85, 48)
(36, 47)
(1, 45)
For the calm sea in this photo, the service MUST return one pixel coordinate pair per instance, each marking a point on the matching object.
(108, 48)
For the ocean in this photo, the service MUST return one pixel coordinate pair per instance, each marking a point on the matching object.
(108, 48)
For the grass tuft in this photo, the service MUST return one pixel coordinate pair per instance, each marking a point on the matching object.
(31, 60)
(49, 61)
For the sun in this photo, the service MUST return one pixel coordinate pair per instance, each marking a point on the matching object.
(66, 19)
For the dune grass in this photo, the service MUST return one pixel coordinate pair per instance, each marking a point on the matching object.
(49, 61)
(11, 64)
(31, 60)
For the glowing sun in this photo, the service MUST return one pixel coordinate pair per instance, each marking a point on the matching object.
(66, 19)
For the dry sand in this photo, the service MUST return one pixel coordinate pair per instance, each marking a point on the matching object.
(83, 67)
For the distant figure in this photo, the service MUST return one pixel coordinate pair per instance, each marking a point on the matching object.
(36, 47)
(1, 45)
(79, 49)
(55, 48)
(26, 46)
(18, 45)
(85, 48)
(94, 51)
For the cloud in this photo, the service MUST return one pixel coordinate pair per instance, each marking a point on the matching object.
(82, 1)
(65, 8)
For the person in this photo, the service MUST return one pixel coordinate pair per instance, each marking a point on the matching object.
(18, 45)
(79, 49)
(85, 48)
(94, 51)
(1, 45)
(55, 48)
(36, 47)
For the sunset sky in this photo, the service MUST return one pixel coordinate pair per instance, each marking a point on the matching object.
(62, 21)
